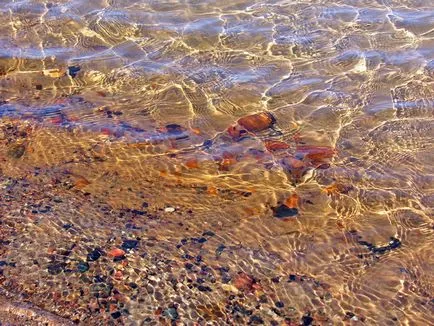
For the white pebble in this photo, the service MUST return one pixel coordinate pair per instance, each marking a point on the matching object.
(169, 209)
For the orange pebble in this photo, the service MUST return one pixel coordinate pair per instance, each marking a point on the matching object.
(118, 275)
(257, 122)
(196, 131)
(243, 281)
(81, 182)
(192, 163)
(116, 252)
(211, 190)
(316, 153)
(292, 201)
(275, 145)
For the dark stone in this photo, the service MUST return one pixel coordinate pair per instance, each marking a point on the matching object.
(73, 70)
(292, 278)
(201, 240)
(130, 244)
(16, 151)
(284, 211)
(275, 279)
(255, 320)
(38, 87)
(306, 320)
(188, 266)
(117, 259)
(204, 288)
(99, 279)
(3, 263)
(83, 267)
(208, 233)
(67, 226)
(349, 315)
(56, 268)
(207, 143)
(220, 249)
(240, 309)
(145, 204)
(138, 212)
(116, 314)
(394, 243)
(176, 130)
(171, 313)
(94, 255)
(279, 304)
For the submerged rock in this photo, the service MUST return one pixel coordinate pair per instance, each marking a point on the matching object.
(129, 244)
(16, 150)
(284, 211)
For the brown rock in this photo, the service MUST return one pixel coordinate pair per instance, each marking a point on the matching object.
(257, 122)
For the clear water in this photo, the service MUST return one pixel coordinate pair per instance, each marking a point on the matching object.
(132, 120)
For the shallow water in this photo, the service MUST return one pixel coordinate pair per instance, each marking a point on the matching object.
(131, 120)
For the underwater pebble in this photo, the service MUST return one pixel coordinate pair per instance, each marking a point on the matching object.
(93, 255)
(82, 267)
(169, 209)
(171, 313)
(116, 252)
(284, 211)
(129, 244)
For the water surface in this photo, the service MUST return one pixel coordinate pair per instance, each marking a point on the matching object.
(134, 189)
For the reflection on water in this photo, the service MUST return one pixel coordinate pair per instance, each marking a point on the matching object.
(229, 162)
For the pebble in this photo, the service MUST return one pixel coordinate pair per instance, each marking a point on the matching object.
(171, 313)
(82, 267)
(116, 314)
(279, 304)
(16, 151)
(130, 244)
(284, 211)
(306, 320)
(56, 268)
(116, 252)
(169, 209)
(93, 255)
(73, 70)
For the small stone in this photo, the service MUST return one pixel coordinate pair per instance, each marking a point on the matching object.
(116, 314)
(56, 268)
(16, 151)
(171, 313)
(116, 252)
(256, 320)
(284, 211)
(220, 249)
(94, 255)
(169, 209)
(208, 233)
(130, 244)
(204, 288)
(73, 70)
(279, 304)
(82, 267)
(306, 320)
